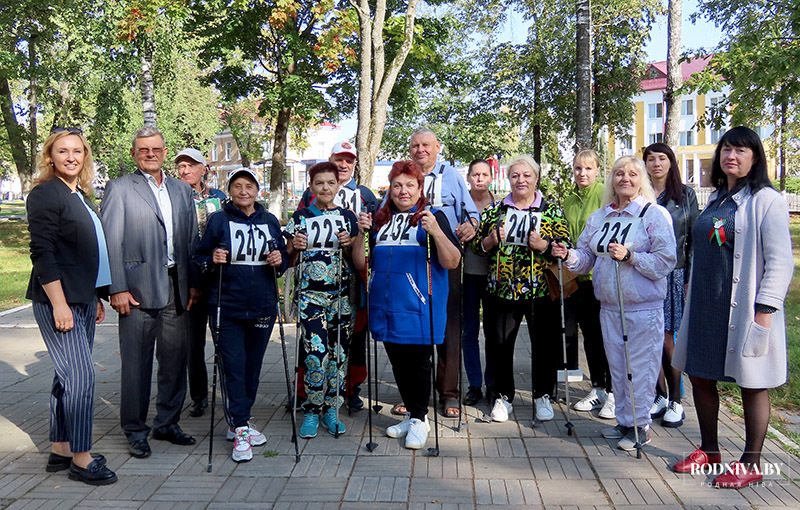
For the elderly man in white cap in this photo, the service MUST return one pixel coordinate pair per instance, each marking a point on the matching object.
(356, 198)
(192, 169)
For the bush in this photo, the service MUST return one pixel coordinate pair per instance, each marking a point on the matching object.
(792, 184)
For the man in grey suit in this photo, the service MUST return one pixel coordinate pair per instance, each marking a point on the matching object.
(151, 231)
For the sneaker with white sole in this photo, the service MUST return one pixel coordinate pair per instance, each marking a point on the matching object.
(593, 400)
(502, 408)
(544, 408)
(401, 429)
(659, 407)
(309, 427)
(329, 420)
(608, 411)
(674, 416)
(242, 452)
(417, 433)
(628, 442)
(615, 432)
(256, 437)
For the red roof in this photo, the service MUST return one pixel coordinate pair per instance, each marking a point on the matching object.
(657, 72)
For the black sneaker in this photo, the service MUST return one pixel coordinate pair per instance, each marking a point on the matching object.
(198, 408)
(473, 396)
(354, 403)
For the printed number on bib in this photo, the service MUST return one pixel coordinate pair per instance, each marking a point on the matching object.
(619, 228)
(349, 199)
(518, 226)
(398, 232)
(322, 231)
(433, 188)
(249, 247)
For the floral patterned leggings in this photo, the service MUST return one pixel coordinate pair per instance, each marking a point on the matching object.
(319, 323)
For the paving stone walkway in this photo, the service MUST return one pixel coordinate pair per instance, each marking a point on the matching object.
(515, 464)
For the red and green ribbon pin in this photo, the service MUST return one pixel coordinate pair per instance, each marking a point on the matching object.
(717, 232)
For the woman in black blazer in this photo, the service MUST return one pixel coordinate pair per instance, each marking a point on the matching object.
(70, 265)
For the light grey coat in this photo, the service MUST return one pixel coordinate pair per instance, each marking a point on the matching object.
(762, 270)
(136, 238)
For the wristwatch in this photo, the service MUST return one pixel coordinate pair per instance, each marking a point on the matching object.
(627, 256)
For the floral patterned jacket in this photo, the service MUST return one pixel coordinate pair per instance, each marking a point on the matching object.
(516, 271)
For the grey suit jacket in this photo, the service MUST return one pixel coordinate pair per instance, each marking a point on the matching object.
(136, 238)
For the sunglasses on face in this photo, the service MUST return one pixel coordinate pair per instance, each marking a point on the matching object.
(73, 130)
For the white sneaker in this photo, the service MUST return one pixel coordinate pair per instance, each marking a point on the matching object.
(658, 408)
(417, 433)
(544, 409)
(593, 400)
(608, 412)
(502, 407)
(674, 415)
(242, 452)
(256, 437)
(401, 429)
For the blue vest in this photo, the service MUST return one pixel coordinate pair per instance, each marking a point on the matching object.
(398, 291)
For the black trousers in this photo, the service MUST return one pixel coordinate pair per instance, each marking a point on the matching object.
(411, 365)
(583, 309)
(503, 320)
(198, 374)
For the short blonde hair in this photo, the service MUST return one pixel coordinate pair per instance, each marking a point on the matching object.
(44, 161)
(587, 155)
(645, 189)
(524, 159)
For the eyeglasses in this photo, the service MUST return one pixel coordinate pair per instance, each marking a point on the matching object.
(73, 130)
(143, 151)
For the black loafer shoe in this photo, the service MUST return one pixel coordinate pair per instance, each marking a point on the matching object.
(94, 474)
(139, 449)
(56, 462)
(175, 436)
(198, 408)
(473, 396)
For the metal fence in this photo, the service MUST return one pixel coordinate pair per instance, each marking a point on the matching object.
(792, 199)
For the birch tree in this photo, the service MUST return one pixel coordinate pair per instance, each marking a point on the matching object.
(672, 96)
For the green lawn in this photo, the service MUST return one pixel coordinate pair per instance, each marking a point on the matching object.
(12, 208)
(15, 269)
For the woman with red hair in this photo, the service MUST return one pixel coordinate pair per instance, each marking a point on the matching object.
(399, 312)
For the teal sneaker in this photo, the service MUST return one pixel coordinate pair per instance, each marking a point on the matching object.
(309, 427)
(329, 420)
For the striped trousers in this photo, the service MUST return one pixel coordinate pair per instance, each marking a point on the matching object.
(72, 395)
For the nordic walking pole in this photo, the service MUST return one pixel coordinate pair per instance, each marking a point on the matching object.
(530, 329)
(338, 346)
(569, 424)
(435, 450)
(377, 406)
(371, 445)
(273, 245)
(464, 215)
(297, 336)
(636, 444)
(221, 246)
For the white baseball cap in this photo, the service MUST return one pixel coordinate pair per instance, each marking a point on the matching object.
(344, 148)
(193, 154)
(241, 172)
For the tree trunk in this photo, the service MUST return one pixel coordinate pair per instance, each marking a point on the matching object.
(16, 134)
(782, 143)
(583, 77)
(245, 158)
(278, 169)
(674, 74)
(33, 105)
(376, 81)
(537, 128)
(146, 83)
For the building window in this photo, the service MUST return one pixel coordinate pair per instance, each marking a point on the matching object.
(655, 111)
(687, 107)
(686, 138)
(656, 137)
(716, 134)
(690, 171)
(214, 155)
(626, 142)
(227, 151)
